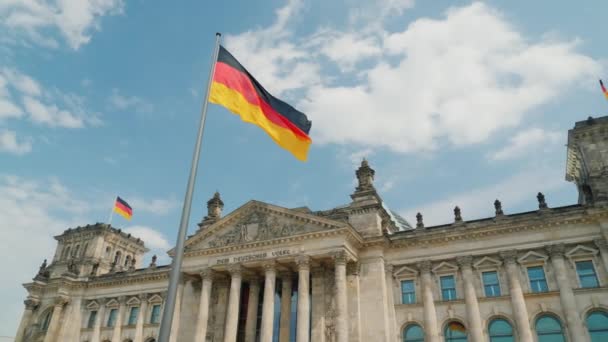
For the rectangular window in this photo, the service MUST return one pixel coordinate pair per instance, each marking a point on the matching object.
(112, 317)
(155, 317)
(91, 321)
(133, 315)
(538, 283)
(408, 292)
(586, 274)
(490, 284)
(448, 288)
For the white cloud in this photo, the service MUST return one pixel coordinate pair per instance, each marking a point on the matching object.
(31, 213)
(479, 203)
(156, 206)
(154, 240)
(38, 21)
(50, 115)
(123, 102)
(455, 80)
(523, 143)
(10, 144)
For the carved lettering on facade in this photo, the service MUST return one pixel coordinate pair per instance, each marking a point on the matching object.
(253, 257)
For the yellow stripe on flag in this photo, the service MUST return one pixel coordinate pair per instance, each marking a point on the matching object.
(122, 213)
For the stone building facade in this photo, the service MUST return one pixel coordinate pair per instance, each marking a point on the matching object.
(357, 273)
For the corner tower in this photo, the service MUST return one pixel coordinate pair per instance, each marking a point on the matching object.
(587, 161)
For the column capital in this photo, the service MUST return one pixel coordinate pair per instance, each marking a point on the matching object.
(388, 268)
(509, 256)
(121, 299)
(424, 266)
(235, 270)
(353, 268)
(206, 273)
(143, 296)
(61, 300)
(465, 261)
(303, 262)
(556, 251)
(270, 266)
(340, 258)
(31, 304)
(601, 243)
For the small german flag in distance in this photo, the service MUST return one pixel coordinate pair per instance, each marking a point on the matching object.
(123, 208)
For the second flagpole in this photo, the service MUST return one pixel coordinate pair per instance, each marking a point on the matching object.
(176, 266)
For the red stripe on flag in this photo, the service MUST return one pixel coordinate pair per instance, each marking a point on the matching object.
(124, 208)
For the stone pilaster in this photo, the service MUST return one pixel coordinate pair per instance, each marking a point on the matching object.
(430, 314)
(470, 298)
(51, 333)
(566, 295)
(354, 318)
(252, 309)
(30, 306)
(268, 305)
(203, 306)
(303, 324)
(232, 317)
(141, 316)
(602, 245)
(390, 303)
(116, 333)
(517, 296)
(96, 337)
(318, 305)
(340, 260)
(284, 324)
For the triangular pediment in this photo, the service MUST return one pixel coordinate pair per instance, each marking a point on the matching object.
(445, 267)
(257, 221)
(92, 305)
(580, 251)
(112, 303)
(532, 257)
(487, 263)
(405, 271)
(133, 301)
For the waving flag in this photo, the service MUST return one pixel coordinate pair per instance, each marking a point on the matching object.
(234, 88)
(604, 89)
(122, 208)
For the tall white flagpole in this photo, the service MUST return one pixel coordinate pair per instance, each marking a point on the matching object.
(176, 265)
(112, 212)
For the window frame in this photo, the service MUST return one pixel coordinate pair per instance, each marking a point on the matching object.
(591, 312)
(544, 269)
(501, 318)
(131, 307)
(407, 326)
(556, 318)
(401, 281)
(455, 289)
(595, 268)
(91, 324)
(110, 316)
(160, 308)
(498, 282)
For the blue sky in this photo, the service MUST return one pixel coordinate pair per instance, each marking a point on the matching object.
(453, 103)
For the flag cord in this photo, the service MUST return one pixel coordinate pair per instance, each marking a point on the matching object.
(176, 265)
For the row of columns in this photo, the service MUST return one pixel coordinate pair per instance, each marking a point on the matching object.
(266, 328)
(520, 311)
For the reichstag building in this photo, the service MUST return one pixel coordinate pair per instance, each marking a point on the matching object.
(357, 273)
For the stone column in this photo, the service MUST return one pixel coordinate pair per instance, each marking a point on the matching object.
(470, 298)
(252, 309)
(430, 314)
(203, 306)
(30, 306)
(517, 296)
(303, 324)
(318, 305)
(268, 305)
(55, 319)
(341, 305)
(602, 245)
(122, 300)
(354, 306)
(566, 295)
(393, 334)
(96, 336)
(141, 316)
(177, 315)
(232, 316)
(286, 279)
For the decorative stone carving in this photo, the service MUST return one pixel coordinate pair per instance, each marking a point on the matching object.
(206, 273)
(556, 251)
(353, 268)
(541, 201)
(365, 177)
(602, 244)
(303, 262)
(61, 300)
(153, 262)
(457, 214)
(419, 223)
(340, 258)
(424, 266)
(270, 265)
(498, 208)
(465, 261)
(235, 270)
(31, 304)
(509, 256)
(43, 272)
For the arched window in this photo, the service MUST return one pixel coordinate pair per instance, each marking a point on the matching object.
(597, 323)
(67, 252)
(455, 332)
(84, 249)
(46, 320)
(500, 331)
(76, 250)
(549, 329)
(127, 260)
(413, 333)
(117, 258)
(108, 252)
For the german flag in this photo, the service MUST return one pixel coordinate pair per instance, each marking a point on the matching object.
(604, 89)
(234, 88)
(123, 208)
